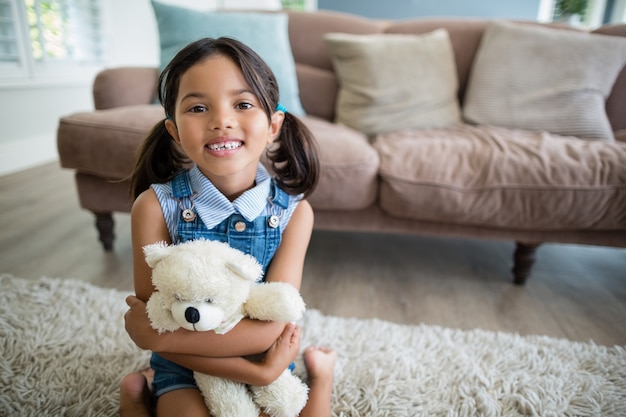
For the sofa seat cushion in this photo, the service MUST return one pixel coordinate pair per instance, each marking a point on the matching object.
(104, 142)
(485, 175)
(348, 167)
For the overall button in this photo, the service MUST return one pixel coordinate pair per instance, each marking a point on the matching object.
(273, 221)
(240, 226)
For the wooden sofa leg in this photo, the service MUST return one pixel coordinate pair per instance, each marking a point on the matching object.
(104, 224)
(523, 261)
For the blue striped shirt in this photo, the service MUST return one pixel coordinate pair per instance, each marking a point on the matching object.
(213, 207)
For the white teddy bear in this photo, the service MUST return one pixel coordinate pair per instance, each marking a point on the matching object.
(204, 285)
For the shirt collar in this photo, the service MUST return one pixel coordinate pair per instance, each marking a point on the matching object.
(213, 207)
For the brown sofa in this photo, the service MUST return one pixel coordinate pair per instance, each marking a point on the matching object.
(468, 180)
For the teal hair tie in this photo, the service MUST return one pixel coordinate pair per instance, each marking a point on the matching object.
(280, 107)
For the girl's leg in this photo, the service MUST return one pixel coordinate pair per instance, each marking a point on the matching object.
(136, 399)
(135, 396)
(320, 365)
(182, 402)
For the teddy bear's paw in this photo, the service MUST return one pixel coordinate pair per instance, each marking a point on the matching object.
(275, 301)
(285, 397)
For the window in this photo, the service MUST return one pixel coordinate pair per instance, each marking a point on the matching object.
(596, 12)
(49, 38)
(10, 48)
(294, 4)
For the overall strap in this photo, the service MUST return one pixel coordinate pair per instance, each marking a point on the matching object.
(278, 196)
(181, 185)
(182, 192)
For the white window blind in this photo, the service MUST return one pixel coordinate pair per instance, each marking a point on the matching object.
(11, 55)
(49, 38)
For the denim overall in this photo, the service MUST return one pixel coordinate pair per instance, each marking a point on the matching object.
(259, 238)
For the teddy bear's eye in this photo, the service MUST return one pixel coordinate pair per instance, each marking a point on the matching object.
(208, 300)
(177, 297)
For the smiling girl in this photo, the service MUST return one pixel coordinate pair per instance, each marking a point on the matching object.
(199, 175)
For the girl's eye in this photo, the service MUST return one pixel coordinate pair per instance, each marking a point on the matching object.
(197, 109)
(244, 106)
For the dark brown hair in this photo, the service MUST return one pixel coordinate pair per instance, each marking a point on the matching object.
(293, 156)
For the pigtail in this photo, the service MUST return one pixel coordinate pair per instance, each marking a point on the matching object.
(158, 159)
(295, 160)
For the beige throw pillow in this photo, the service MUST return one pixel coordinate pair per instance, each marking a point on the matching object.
(390, 82)
(544, 79)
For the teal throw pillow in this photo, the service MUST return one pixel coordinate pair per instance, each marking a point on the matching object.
(266, 33)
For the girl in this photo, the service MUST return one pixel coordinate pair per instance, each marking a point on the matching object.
(199, 175)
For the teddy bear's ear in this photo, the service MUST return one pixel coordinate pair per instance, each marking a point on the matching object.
(249, 274)
(155, 252)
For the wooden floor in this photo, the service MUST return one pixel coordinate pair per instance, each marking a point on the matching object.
(574, 292)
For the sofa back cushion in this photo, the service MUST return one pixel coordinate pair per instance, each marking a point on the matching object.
(390, 82)
(317, 81)
(465, 35)
(616, 103)
(530, 77)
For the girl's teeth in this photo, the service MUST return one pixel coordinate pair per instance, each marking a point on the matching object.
(224, 146)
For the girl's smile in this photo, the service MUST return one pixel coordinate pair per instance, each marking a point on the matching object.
(227, 145)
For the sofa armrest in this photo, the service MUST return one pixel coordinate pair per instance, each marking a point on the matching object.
(124, 86)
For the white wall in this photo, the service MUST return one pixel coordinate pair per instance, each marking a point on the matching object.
(29, 118)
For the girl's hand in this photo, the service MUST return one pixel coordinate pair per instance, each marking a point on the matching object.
(138, 324)
(282, 353)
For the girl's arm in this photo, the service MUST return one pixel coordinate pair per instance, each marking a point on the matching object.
(288, 262)
(242, 340)
(248, 337)
(274, 362)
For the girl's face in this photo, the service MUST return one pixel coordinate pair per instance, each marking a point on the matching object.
(220, 124)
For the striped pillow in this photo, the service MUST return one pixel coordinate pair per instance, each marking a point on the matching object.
(544, 79)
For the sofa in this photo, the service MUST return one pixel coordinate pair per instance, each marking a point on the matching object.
(463, 174)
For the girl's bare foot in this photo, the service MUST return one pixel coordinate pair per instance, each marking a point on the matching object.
(135, 395)
(320, 365)
(320, 362)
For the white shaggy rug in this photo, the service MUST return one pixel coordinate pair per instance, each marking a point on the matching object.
(63, 350)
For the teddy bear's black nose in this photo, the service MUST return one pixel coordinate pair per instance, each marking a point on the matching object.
(192, 315)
